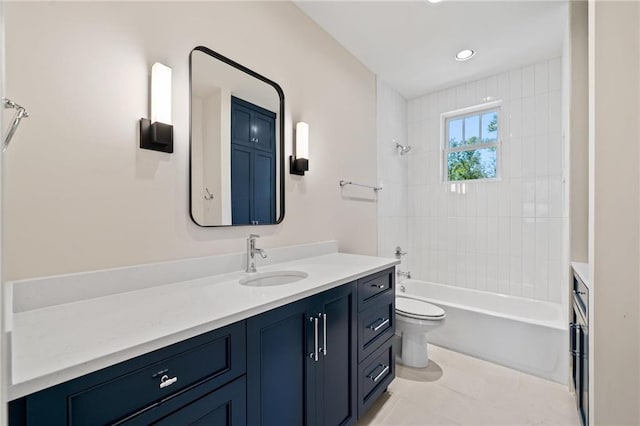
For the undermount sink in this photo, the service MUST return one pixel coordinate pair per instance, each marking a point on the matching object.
(268, 279)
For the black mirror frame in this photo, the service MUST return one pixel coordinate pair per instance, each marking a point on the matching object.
(280, 92)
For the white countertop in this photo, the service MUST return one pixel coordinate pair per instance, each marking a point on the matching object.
(582, 269)
(57, 343)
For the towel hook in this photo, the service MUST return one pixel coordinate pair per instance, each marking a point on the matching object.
(209, 195)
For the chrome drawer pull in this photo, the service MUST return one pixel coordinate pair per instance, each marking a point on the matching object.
(380, 286)
(574, 326)
(579, 292)
(314, 355)
(382, 373)
(574, 353)
(384, 322)
(324, 335)
(166, 381)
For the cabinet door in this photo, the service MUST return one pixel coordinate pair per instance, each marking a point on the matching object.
(253, 164)
(264, 130)
(337, 372)
(241, 118)
(241, 185)
(280, 380)
(264, 172)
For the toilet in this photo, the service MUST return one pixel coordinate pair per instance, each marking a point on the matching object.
(414, 319)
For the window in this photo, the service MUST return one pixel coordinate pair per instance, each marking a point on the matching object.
(471, 143)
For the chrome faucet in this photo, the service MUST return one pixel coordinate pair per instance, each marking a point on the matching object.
(251, 253)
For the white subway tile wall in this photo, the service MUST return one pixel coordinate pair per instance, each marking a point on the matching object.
(502, 236)
(393, 202)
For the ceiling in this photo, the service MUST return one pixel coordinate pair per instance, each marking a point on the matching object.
(411, 45)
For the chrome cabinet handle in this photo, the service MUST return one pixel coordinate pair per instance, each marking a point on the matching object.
(380, 374)
(579, 292)
(166, 381)
(314, 355)
(380, 286)
(324, 334)
(574, 326)
(384, 322)
(574, 352)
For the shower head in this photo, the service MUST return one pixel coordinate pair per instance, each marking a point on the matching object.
(403, 148)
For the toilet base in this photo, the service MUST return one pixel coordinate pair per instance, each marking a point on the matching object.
(414, 352)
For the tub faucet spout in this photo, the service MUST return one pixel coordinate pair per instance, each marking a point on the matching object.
(404, 274)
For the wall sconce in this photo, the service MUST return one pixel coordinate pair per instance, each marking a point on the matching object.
(300, 163)
(157, 133)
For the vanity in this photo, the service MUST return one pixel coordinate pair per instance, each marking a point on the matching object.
(312, 351)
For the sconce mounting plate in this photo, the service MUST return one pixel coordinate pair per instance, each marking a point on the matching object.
(156, 136)
(297, 166)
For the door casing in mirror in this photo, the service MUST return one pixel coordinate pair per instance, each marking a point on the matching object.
(230, 80)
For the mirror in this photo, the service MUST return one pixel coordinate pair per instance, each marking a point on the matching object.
(236, 143)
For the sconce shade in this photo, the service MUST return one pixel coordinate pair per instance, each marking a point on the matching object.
(157, 134)
(160, 93)
(300, 163)
(302, 140)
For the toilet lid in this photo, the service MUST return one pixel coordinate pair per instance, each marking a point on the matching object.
(415, 308)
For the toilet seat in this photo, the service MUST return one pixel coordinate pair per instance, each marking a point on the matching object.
(418, 309)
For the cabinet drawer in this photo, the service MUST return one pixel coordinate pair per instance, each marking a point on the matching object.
(581, 294)
(223, 407)
(120, 392)
(374, 375)
(374, 286)
(375, 325)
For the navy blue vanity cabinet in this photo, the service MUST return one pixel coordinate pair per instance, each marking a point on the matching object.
(197, 376)
(253, 164)
(302, 361)
(376, 327)
(320, 361)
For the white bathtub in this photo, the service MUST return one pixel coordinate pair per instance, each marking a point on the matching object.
(528, 335)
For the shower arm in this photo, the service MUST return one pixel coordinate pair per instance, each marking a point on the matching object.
(21, 113)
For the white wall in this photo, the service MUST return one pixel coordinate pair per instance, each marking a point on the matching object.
(614, 212)
(579, 128)
(198, 206)
(4, 359)
(80, 194)
(392, 171)
(213, 142)
(503, 236)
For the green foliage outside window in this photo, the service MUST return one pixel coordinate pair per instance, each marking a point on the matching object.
(473, 163)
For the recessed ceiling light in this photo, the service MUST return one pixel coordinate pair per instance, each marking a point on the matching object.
(465, 55)
(434, 1)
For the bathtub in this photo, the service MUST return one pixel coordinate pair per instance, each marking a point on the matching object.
(524, 334)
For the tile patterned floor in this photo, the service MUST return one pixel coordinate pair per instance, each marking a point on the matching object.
(460, 390)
